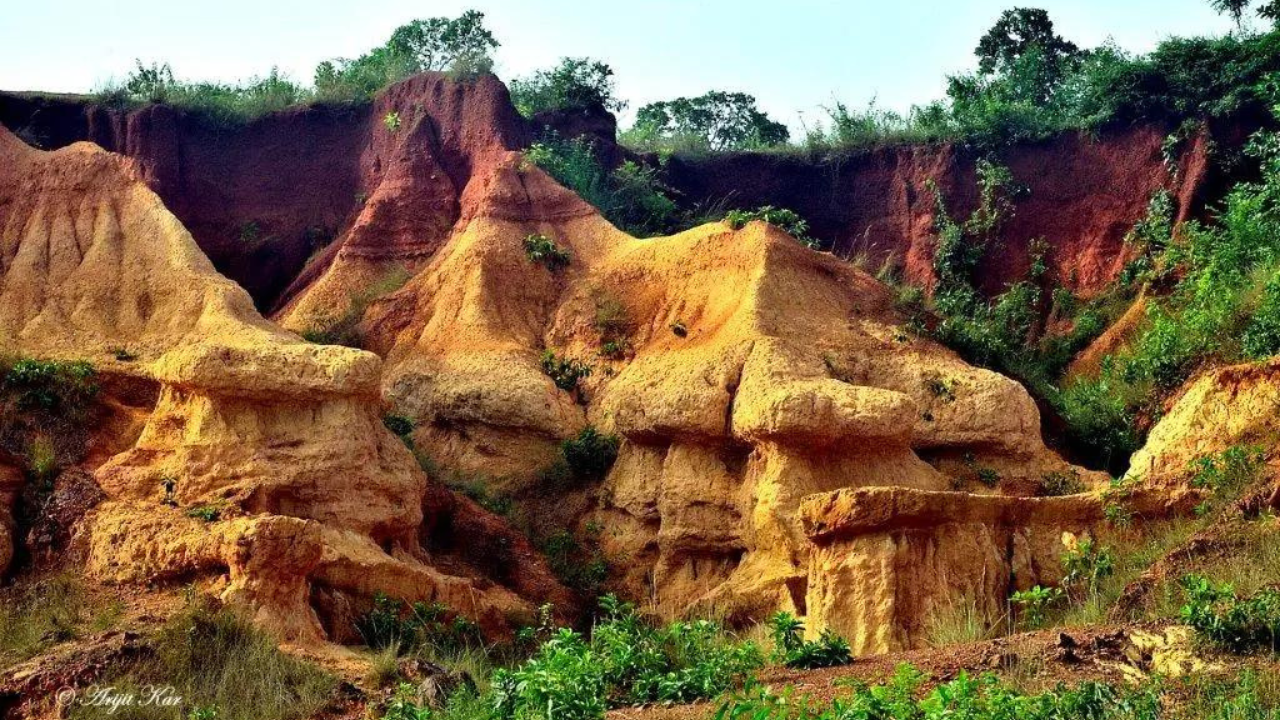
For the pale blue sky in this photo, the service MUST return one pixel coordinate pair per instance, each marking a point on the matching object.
(793, 55)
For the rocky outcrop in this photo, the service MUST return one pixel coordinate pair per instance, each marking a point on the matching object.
(746, 373)
(264, 459)
(1081, 195)
(265, 199)
(1221, 408)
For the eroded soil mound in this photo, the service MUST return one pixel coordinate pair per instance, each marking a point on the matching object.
(743, 373)
(264, 466)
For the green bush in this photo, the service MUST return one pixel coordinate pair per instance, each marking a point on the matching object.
(785, 220)
(1228, 472)
(543, 250)
(564, 372)
(1239, 625)
(399, 425)
(1032, 83)
(1033, 605)
(590, 454)
(631, 196)
(50, 385)
(574, 84)
(1086, 565)
(626, 661)
(1066, 482)
(791, 649)
(392, 623)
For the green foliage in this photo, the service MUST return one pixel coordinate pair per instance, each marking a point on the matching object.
(716, 120)
(626, 661)
(45, 408)
(391, 121)
(53, 610)
(1065, 482)
(392, 623)
(541, 249)
(564, 372)
(574, 84)
(344, 329)
(1023, 33)
(590, 454)
(1237, 624)
(216, 103)
(1268, 9)
(1086, 565)
(1221, 310)
(1005, 333)
(218, 663)
(399, 425)
(1032, 83)
(579, 563)
(1229, 472)
(785, 220)
(630, 196)
(1033, 605)
(460, 46)
(791, 649)
(207, 513)
(967, 697)
(50, 385)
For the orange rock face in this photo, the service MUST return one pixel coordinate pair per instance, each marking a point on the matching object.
(754, 373)
(785, 444)
(282, 440)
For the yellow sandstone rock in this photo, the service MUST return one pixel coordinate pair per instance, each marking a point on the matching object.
(280, 441)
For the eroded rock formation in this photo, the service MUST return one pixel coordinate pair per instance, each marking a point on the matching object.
(264, 459)
(747, 374)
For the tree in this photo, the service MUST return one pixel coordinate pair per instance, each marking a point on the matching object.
(459, 45)
(1021, 58)
(717, 120)
(574, 83)
(439, 44)
(1018, 32)
(1237, 9)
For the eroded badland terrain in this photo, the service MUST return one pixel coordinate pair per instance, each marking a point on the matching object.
(445, 400)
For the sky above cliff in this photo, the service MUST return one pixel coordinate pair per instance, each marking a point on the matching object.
(795, 57)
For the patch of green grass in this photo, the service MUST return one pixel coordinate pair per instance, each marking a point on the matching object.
(988, 697)
(207, 513)
(51, 611)
(216, 662)
(1238, 623)
(960, 623)
(344, 329)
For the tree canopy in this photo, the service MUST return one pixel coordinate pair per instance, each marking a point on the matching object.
(574, 83)
(716, 120)
(460, 45)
